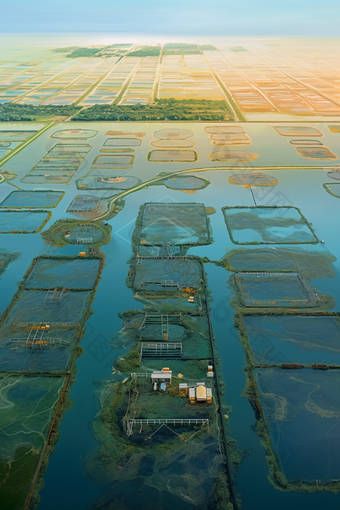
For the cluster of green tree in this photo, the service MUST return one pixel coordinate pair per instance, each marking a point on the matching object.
(222, 496)
(180, 49)
(84, 52)
(162, 109)
(117, 50)
(23, 112)
(77, 51)
(65, 49)
(146, 51)
(207, 47)
(119, 45)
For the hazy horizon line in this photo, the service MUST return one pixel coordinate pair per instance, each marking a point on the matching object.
(171, 34)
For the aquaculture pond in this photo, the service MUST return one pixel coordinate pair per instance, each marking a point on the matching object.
(297, 338)
(80, 437)
(303, 413)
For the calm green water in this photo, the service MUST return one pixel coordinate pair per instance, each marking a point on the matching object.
(300, 188)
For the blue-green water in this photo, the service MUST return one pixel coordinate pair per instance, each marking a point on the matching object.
(298, 339)
(300, 188)
(76, 274)
(25, 221)
(302, 411)
(31, 199)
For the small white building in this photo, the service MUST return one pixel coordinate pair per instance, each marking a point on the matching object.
(162, 376)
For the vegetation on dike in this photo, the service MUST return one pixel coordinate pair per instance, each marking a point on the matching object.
(310, 264)
(81, 52)
(78, 52)
(25, 112)
(64, 405)
(192, 110)
(6, 259)
(145, 51)
(162, 109)
(57, 234)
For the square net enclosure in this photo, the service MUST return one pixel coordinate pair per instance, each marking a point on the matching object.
(283, 290)
(302, 410)
(304, 339)
(32, 199)
(173, 273)
(174, 223)
(22, 222)
(29, 349)
(56, 306)
(268, 225)
(70, 273)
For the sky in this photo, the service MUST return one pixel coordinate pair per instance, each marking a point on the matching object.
(184, 17)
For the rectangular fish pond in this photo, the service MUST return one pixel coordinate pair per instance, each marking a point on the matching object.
(268, 225)
(305, 339)
(302, 411)
(174, 223)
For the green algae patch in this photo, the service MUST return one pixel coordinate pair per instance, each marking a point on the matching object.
(268, 225)
(16, 477)
(311, 264)
(27, 408)
(65, 231)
